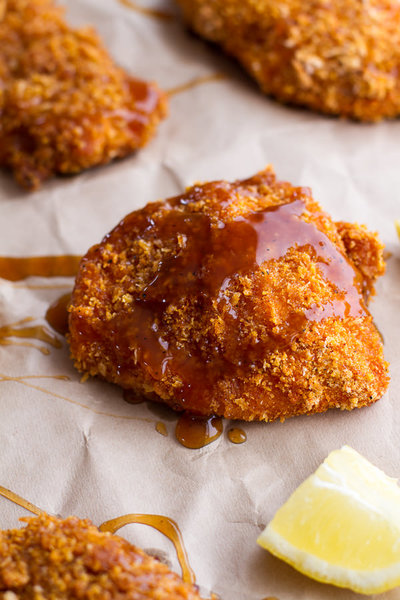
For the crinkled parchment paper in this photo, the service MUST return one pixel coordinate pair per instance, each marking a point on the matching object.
(78, 448)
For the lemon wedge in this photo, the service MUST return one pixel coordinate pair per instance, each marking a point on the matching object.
(341, 525)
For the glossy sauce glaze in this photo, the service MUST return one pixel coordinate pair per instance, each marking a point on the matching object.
(166, 526)
(211, 253)
(15, 269)
(145, 98)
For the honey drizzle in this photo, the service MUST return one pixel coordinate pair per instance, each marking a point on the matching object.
(28, 286)
(20, 501)
(195, 432)
(59, 377)
(195, 83)
(149, 12)
(69, 400)
(15, 269)
(164, 525)
(37, 332)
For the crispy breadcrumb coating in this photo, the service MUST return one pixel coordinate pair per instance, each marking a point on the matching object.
(340, 57)
(238, 299)
(70, 558)
(64, 105)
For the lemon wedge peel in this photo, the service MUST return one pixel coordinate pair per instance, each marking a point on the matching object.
(341, 525)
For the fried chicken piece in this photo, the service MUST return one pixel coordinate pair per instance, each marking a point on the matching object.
(64, 105)
(71, 559)
(235, 299)
(340, 57)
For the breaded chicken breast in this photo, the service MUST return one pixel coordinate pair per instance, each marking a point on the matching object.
(64, 105)
(237, 299)
(70, 558)
(340, 57)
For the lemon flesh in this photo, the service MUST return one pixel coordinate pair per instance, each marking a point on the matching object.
(341, 525)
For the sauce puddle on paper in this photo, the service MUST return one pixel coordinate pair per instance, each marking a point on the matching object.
(237, 436)
(57, 314)
(191, 431)
(195, 432)
(15, 269)
(161, 428)
(164, 525)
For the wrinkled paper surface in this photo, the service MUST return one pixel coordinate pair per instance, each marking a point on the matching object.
(78, 448)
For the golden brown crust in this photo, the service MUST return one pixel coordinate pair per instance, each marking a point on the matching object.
(339, 57)
(71, 559)
(365, 250)
(236, 299)
(64, 105)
